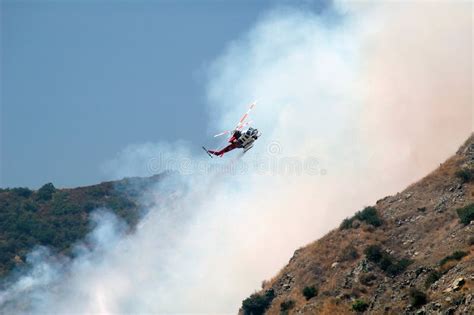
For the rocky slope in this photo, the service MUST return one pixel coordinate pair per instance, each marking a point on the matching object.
(412, 253)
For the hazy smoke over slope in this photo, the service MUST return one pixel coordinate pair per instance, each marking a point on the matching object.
(377, 95)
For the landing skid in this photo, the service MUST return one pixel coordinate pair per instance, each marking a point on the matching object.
(207, 152)
(248, 148)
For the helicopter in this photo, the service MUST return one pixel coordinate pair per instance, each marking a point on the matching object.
(239, 138)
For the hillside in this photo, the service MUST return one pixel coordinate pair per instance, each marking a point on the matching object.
(412, 253)
(58, 218)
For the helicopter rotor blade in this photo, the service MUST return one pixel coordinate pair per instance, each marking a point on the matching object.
(245, 116)
(222, 133)
(241, 124)
(240, 127)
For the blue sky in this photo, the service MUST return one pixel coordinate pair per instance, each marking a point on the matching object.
(81, 80)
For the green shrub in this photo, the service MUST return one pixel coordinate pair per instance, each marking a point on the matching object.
(373, 253)
(433, 276)
(368, 215)
(397, 267)
(465, 175)
(46, 192)
(389, 264)
(466, 214)
(360, 306)
(457, 255)
(386, 262)
(310, 292)
(30, 206)
(417, 298)
(257, 304)
(287, 305)
(346, 224)
(22, 192)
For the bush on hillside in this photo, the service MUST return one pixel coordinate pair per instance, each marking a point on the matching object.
(466, 214)
(29, 206)
(46, 192)
(457, 255)
(433, 276)
(389, 264)
(360, 306)
(373, 253)
(287, 305)
(21, 192)
(257, 304)
(346, 224)
(417, 298)
(397, 267)
(310, 292)
(465, 175)
(368, 215)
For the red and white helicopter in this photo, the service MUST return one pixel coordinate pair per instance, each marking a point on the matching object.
(239, 138)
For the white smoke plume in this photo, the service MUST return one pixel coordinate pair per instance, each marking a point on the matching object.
(354, 104)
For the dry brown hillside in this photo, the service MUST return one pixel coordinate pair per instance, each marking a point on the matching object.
(408, 254)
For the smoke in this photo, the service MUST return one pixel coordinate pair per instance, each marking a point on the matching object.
(354, 103)
(55, 277)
